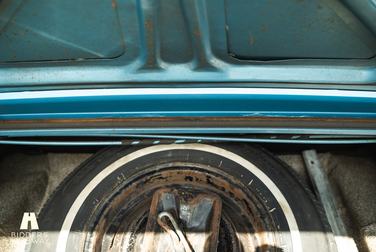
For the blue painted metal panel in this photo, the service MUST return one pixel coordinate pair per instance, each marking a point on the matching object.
(280, 29)
(167, 44)
(34, 30)
(189, 46)
(365, 10)
(187, 102)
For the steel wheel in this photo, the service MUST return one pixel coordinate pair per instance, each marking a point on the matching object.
(222, 198)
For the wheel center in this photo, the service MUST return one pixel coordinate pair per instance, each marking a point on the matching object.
(178, 208)
(184, 220)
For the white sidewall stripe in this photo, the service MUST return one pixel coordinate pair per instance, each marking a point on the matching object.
(293, 226)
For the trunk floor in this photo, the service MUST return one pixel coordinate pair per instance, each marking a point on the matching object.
(27, 181)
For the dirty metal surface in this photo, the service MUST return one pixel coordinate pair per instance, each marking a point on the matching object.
(271, 124)
(197, 213)
(325, 195)
(130, 131)
(280, 29)
(170, 43)
(119, 223)
(46, 30)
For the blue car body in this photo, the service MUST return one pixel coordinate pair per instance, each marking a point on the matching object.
(278, 71)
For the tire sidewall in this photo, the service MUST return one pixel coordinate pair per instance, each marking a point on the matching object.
(305, 210)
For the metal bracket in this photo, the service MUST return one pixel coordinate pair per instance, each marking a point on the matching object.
(325, 195)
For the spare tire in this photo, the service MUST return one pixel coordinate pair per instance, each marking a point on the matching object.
(103, 205)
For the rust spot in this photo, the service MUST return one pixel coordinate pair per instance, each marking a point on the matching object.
(64, 50)
(202, 58)
(14, 33)
(252, 39)
(197, 33)
(114, 4)
(13, 56)
(319, 7)
(148, 24)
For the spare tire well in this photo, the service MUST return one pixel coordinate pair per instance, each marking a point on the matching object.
(261, 196)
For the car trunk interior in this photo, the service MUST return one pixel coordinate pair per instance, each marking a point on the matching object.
(29, 175)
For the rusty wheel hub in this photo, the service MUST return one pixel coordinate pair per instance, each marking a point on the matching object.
(181, 207)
